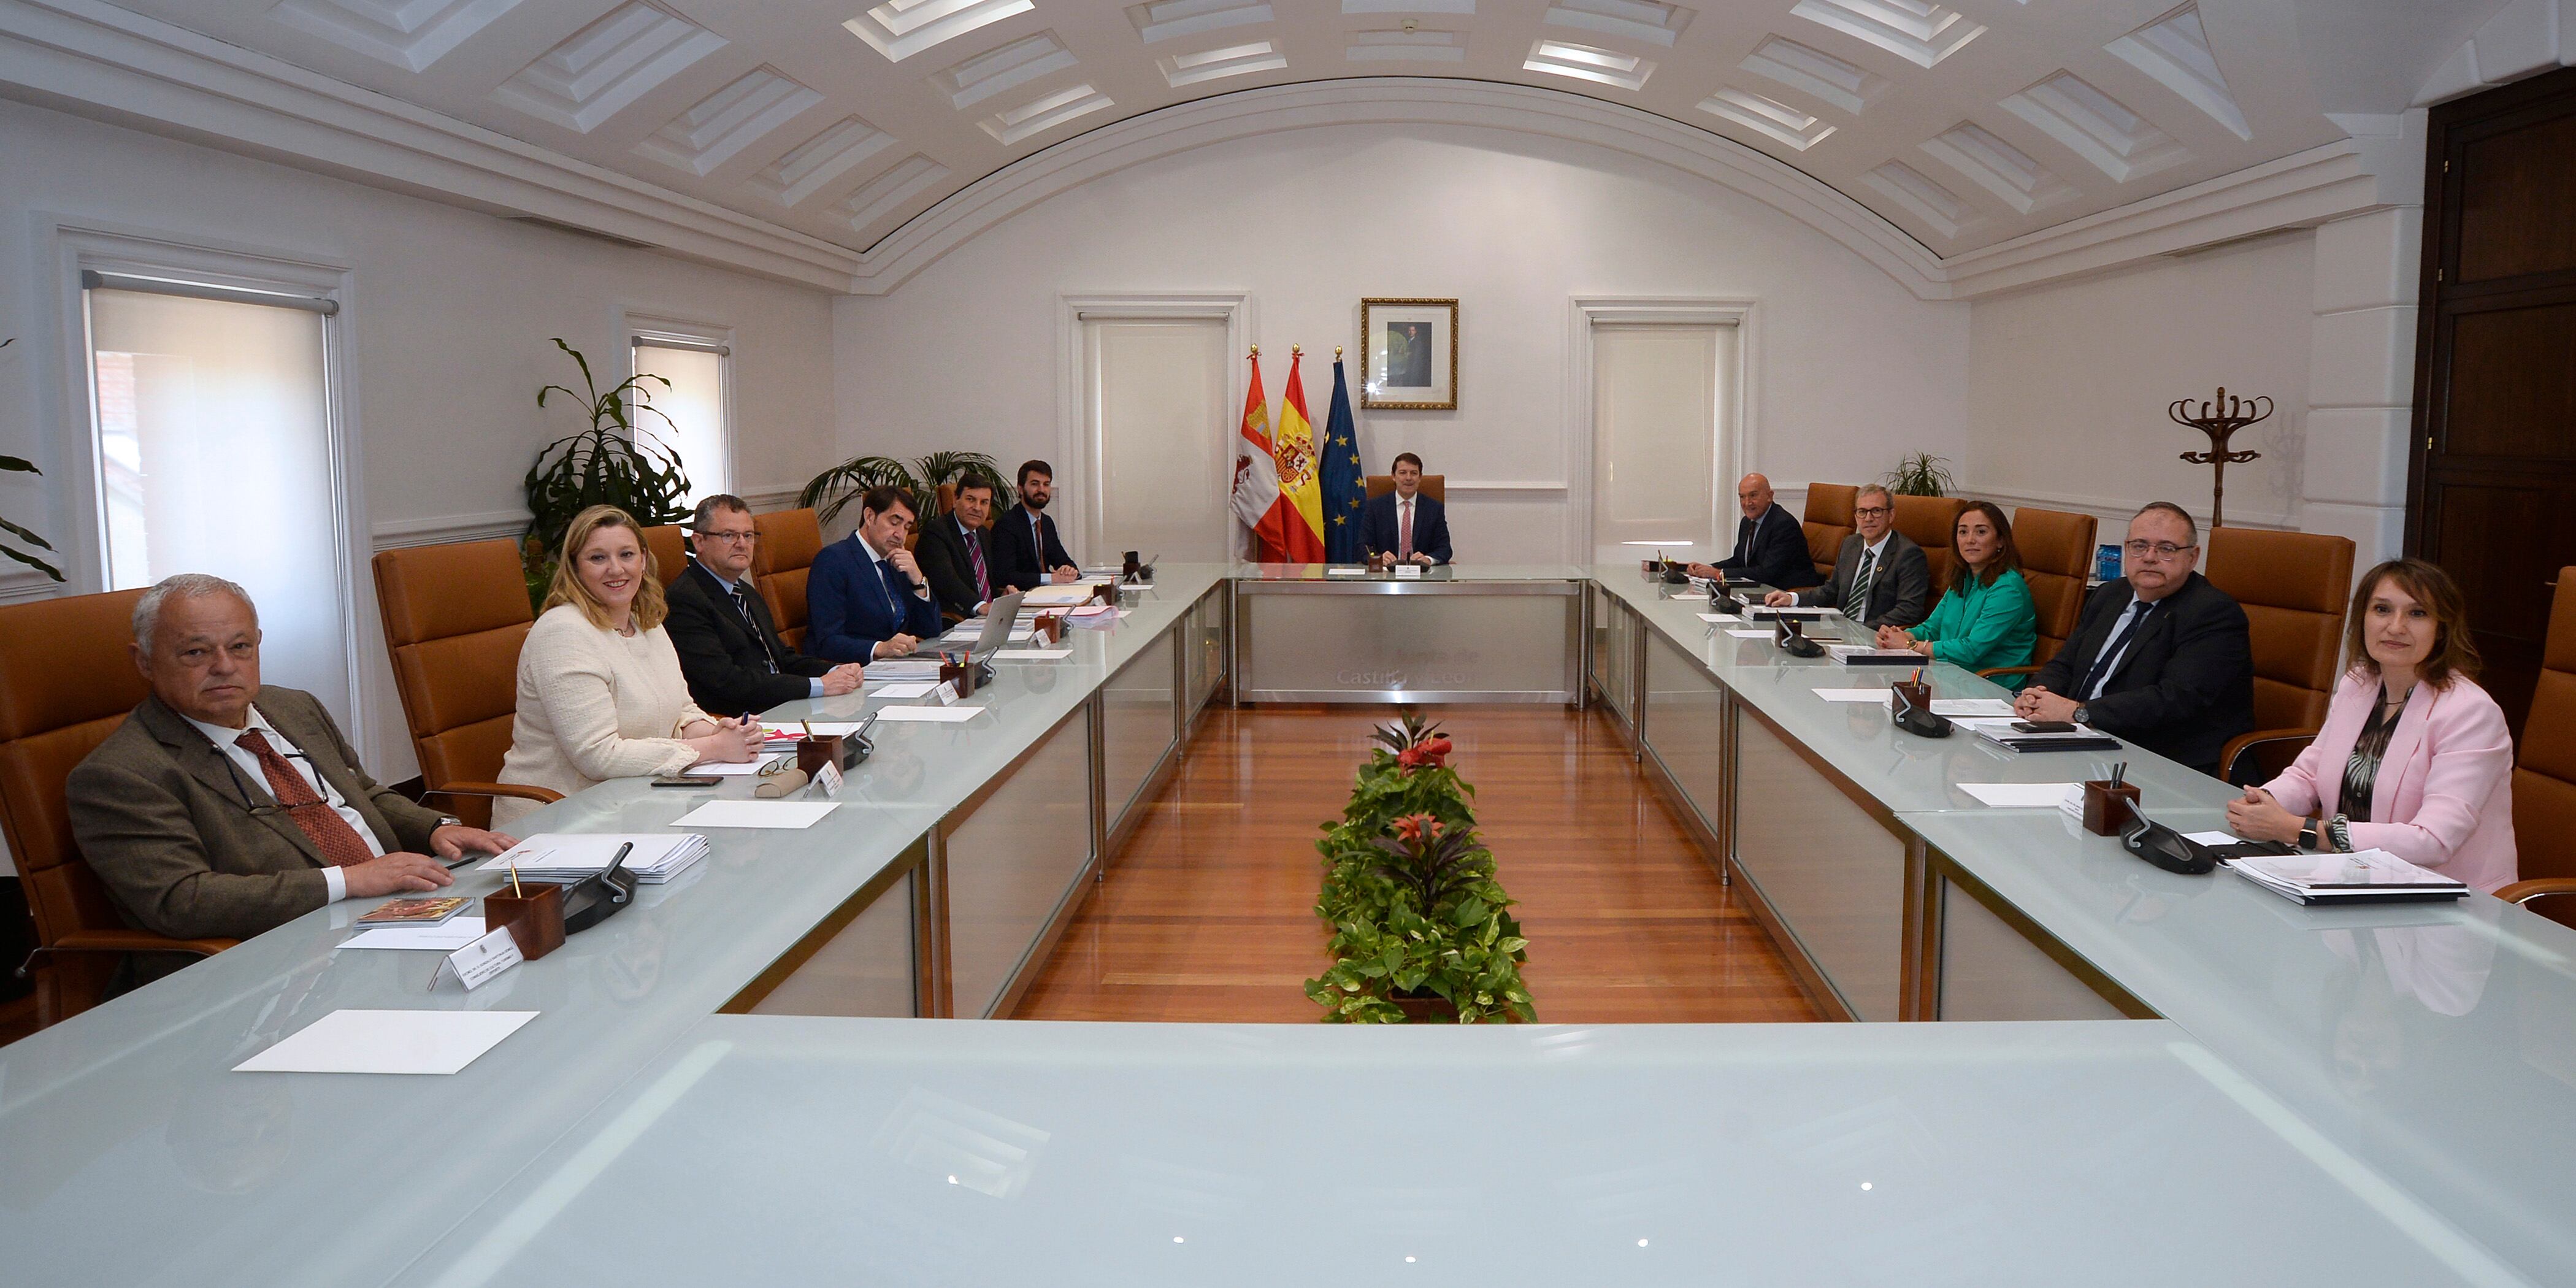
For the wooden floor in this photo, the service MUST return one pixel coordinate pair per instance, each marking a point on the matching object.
(1208, 912)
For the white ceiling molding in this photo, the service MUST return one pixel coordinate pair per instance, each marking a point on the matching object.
(99, 60)
(2526, 38)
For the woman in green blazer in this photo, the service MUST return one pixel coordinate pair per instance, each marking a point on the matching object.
(1986, 619)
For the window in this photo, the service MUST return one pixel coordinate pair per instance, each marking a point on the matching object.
(1159, 429)
(697, 402)
(212, 434)
(1657, 402)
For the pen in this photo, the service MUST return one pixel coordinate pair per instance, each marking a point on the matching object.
(809, 726)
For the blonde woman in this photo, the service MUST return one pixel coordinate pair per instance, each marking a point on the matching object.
(600, 690)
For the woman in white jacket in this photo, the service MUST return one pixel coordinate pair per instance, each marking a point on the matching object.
(600, 690)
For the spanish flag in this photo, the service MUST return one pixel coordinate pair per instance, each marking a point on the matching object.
(1301, 490)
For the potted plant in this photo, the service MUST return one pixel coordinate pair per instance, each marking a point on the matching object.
(21, 465)
(1921, 474)
(614, 462)
(1421, 928)
(828, 492)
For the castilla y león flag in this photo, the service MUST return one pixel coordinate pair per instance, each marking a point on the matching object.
(1301, 491)
(1256, 477)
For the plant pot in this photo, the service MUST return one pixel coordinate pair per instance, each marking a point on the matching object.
(1425, 1007)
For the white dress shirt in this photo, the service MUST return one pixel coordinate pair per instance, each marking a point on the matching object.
(228, 741)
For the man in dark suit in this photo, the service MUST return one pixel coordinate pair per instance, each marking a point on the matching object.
(956, 551)
(2160, 657)
(1880, 578)
(1770, 543)
(728, 645)
(222, 808)
(1404, 526)
(1031, 556)
(864, 596)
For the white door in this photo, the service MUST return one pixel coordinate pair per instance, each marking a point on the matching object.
(1658, 434)
(1158, 430)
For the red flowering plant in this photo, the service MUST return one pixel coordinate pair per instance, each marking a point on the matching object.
(1417, 915)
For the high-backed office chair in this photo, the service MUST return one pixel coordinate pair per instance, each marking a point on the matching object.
(454, 618)
(2056, 560)
(2544, 775)
(1435, 486)
(65, 685)
(670, 552)
(2295, 587)
(1828, 520)
(1931, 522)
(785, 549)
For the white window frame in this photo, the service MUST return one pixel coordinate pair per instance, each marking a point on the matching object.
(1733, 447)
(80, 247)
(666, 332)
(1077, 456)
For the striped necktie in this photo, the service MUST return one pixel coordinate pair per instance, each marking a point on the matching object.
(975, 554)
(1857, 602)
(743, 606)
(312, 812)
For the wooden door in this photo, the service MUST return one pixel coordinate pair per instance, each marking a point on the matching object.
(2492, 492)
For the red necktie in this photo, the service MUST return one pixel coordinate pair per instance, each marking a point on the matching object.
(1404, 531)
(330, 833)
(975, 552)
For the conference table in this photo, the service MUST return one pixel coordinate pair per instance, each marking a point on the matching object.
(775, 1067)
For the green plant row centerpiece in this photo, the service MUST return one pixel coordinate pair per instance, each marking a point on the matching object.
(1421, 929)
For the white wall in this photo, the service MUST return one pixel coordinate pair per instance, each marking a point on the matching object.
(1849, 370)
(447, 323)
(2068, 385)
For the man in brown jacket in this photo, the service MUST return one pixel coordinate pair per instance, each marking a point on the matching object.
(224, 809)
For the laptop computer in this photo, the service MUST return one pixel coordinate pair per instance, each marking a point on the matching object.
(999, 617)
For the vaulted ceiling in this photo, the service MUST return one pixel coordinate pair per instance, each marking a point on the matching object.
(1964, 123)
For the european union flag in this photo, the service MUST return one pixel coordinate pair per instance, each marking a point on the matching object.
(1345, 487)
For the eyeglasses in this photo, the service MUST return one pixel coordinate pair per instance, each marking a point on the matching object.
(727, 536)
(2160, 549)
(1871, 511)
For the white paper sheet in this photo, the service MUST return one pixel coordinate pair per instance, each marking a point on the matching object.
(1346, 572)
(1721, 617)
(929, 715)
(1750, 635)
(777, 814)
(1032, 654)
(1956, 708)
(2018, 795)
(1853, 695)
(905, 691)
(389, 1042)
(2214, 838)
(447, 936)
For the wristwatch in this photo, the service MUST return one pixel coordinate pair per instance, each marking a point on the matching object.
(2308, 835)
(2081, 715)
(447, 820)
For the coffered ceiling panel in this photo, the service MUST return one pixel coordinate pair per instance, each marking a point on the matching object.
(1964, 123)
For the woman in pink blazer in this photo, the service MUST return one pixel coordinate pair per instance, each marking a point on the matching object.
(2414, 758)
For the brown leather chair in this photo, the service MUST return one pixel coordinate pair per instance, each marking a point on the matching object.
(2295, 587)
(65, 685)
(785, 550)
(1931, 522)
(2056, 560)
(2544, 776)
(454, 617)
(1435, 486)
(1828, 520)
(670, 549)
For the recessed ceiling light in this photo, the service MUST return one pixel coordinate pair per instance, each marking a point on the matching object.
(1646, 20)
(1583, 62)
(1769, 117)
(1233, 60)
(1041, 115)
(1918, 31)
(899, 29)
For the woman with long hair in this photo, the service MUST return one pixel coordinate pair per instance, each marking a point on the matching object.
(1985, 617)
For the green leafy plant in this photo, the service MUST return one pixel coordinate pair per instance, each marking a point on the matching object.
(614, 462)
(1417, 915)
(1921, 474)
(828, 492)
(21, 465)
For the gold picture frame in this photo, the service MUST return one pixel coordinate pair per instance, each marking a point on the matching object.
(1409, 354)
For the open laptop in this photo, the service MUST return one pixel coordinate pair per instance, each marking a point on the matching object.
(999, 617)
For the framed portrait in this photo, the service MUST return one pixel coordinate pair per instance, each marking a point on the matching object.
(1411, 347)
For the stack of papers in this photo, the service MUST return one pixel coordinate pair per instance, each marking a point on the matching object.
(904, 668)
(1758, 613)
(1056, 596)
(2002, 734)
(2369, 876)
(1870, 655)
(560, 858)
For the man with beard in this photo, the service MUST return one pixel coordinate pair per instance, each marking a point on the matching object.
(1031, 554)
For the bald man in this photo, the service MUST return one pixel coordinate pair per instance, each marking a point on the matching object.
(1770, 543)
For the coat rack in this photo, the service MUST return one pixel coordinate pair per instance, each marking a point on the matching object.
(2220, 419)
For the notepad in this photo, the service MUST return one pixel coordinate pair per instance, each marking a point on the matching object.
(1750, 635)
(1032, 654)
(794, 815)
(1853, 695)
(906, 691)
(2018, 795)
(929, 715)
(447, 936)
(428, 1042)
